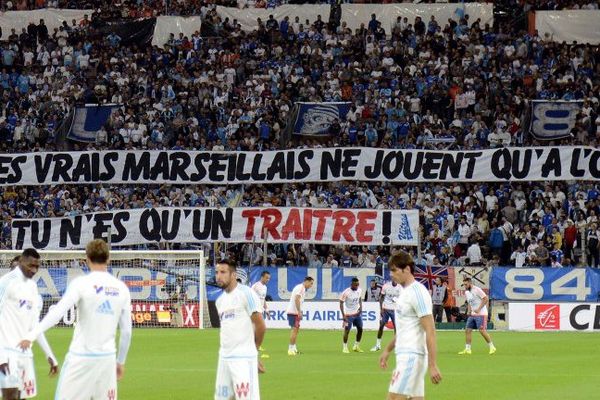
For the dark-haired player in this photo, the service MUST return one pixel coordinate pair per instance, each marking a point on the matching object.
(414, 342)
(242, 332)
(294, 312)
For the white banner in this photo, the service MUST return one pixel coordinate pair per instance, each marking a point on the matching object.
(581, 26)
(301, 165)
(165, 25)
(247, 17)
(53, 18)
(356, 14)
(320, 315)
(230, 225)
(554, 317)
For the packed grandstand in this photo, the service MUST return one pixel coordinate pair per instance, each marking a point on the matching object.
(418, 84)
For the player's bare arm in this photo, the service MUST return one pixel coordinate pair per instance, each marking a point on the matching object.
(120, 371)
(342, 311)
(484, 303)
(298, 301)
(259, 334)
(386, 353)
(53, 367)
(429, 328)
(360, 307)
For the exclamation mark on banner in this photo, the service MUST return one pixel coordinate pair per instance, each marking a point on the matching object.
(386, 227)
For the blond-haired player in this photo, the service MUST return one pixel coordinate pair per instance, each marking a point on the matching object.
(103, 302)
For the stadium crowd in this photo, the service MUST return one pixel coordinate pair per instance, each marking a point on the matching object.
(137, 9)
(422, 84)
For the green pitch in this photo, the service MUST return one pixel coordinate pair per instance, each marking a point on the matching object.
(180, 364)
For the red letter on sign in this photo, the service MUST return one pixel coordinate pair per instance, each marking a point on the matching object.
(251, 215)
(344, 222)
(320, 215)
(292, 225)
(363, 226)
(272, 219)
(306, 224)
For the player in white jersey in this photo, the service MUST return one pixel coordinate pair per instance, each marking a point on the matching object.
(351, 308)
(260, 288)
(294, 312)
(414, 342)
(20, 306)
(103, 302)
(242, 332)
(477, 311)
(387, 302)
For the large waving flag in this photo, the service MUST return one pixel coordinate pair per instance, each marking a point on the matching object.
(316, 118)
(88, 120)
(552, 120)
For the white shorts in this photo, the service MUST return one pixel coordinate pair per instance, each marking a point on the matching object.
(408, 378)
(237, 379)
(22, 375)
(88, 377)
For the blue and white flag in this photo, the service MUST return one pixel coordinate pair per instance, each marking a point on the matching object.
(88, 120)
(552, 120)
(316, 118)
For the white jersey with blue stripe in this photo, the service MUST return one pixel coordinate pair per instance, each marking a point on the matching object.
(413, 303)
(103, 303)
(237, 331)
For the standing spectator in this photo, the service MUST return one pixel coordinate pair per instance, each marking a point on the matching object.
(439, 295)
(450, 303)
(373, 293)
(542, 255)
(465, 232)
(570, 239)
(592, 244)
(331, 262)
(506, 229)
(42, 32)
(519, 256)
(474, 254)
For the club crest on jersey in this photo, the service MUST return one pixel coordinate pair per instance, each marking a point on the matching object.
(112, 394)
(23, 303)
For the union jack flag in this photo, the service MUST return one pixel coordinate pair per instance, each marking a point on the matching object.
(427, 274)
